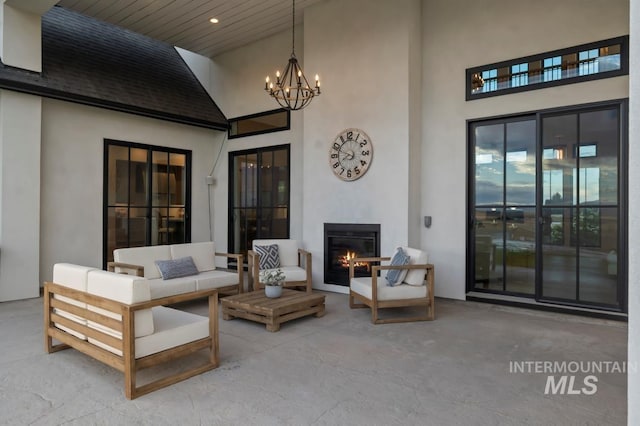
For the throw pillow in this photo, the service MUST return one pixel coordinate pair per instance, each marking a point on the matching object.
(269, 256)
(176, 268)
(418, 257)
(396, 276)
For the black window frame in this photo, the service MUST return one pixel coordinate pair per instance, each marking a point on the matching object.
(547, 303)
(231, 206)
(105, 189)
(257, 115)
(623, 41)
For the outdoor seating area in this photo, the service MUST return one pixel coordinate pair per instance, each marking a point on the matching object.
(119, 316)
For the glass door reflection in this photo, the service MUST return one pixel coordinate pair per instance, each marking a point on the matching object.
(504, 230)
(580, 207)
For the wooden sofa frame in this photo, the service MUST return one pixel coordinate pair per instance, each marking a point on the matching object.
(253, 260)
(127, 362)
(231, 289)
(374, 304)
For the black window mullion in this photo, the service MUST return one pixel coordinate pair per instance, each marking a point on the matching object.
(148, 200)
(503, 215)
(259, 194)
(578, 207)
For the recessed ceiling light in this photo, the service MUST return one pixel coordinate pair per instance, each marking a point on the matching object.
(214, 20)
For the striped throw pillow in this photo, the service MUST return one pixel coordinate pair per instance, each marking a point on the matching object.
(396, 276)
(269, 256)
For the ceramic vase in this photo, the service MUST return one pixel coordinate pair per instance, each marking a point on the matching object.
(273, 291)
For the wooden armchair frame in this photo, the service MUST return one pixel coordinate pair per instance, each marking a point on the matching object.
(139, 271)
(374, 304)
(127, 362)
(254, 271)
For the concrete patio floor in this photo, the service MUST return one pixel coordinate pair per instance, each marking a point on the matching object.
(335, 370)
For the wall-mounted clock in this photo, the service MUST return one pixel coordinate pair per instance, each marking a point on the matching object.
(350, 154)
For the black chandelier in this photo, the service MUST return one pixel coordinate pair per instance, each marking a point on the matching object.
(291, 89)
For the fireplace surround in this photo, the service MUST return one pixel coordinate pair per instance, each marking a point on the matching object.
(345, 240)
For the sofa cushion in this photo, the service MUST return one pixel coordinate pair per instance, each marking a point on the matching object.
(143, 256)
(294, 273)
(287, 250)
(396, 276)
(172, 328)
(417, 257)
(203, 254)
(75, 277)
(176, 268)
(165, 288)
(269, 256)
(362, 285)
(215, 279)
(126, 289)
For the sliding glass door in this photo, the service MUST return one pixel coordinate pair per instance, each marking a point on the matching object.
(505, 200)
(581, 206)
(546, 210)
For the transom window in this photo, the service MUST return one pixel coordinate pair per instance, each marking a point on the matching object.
(603, 59)
(275, 120)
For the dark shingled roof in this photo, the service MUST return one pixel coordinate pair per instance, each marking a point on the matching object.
(95, 63)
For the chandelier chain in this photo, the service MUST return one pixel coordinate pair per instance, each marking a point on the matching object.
(293, 32)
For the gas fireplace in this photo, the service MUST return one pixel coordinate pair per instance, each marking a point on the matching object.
(343, 241)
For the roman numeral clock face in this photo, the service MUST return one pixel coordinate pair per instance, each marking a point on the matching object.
(350, 154)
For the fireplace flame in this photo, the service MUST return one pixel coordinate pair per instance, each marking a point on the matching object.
(344, 260)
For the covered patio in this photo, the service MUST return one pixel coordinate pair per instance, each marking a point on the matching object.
(87, 86)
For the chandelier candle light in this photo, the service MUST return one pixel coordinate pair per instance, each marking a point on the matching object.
(291, 89)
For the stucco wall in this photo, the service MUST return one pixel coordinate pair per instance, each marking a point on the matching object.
(19, 194)
(72, 176)
(20, 38)
(456, 37)
(237, 84)
(347, 53)
(362, 52)
(368, 55)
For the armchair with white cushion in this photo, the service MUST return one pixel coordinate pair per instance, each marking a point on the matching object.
(410, 284)
(286, 254)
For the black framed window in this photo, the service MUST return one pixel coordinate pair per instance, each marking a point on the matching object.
(147, 196)
(601, 59)
(275, 120)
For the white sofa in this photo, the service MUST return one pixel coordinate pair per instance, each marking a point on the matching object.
(113, 318)
(141, 260)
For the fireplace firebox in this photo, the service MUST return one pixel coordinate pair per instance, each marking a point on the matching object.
(343, 241)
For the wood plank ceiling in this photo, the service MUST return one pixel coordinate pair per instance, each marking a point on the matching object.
(185, 23)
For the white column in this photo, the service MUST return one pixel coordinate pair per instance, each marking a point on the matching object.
(633, 378)
(20, 125)
(21, 36)
(20, 142)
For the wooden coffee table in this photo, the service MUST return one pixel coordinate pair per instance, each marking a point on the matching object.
(255, 306)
